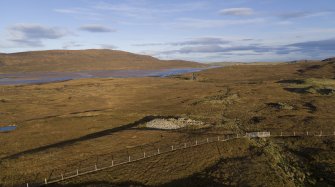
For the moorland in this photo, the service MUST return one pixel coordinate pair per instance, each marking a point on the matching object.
(67, 125)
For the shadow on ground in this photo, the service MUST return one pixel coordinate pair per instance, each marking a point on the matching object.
(84, 138)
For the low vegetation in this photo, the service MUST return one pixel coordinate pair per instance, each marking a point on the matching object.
(82, 60)
(68, 125)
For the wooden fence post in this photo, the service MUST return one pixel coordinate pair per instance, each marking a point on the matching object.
(45, 181)
(218, 138)
(172, 147)
(112, 160)
(281, 133)
(307, 133)
(143, 154)
(128, 158)
(207, 140)
(158, 151)
(77, 171)
(196, 142)
(62, 176)
(27, 185)
(96, 167)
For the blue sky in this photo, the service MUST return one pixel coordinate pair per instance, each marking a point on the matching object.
(199, 30)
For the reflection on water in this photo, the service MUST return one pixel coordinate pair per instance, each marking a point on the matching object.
(46, 77)
(7, 128)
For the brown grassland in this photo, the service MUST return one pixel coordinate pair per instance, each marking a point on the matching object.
(68, 124)
(83, 60)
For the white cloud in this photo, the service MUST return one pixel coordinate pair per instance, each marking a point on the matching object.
(212, 23)
(304, 14)
(140, 9)
(71, 45)
(237, 11)
(284, 23)
(195, 41)
(233, 50)
(78, 11)
(107, 46)
(96, 28)
(33, 34)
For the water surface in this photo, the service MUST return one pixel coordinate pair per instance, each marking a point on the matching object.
(47, 77)
(7, 128)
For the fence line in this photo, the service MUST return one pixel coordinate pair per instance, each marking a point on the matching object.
(145, 155)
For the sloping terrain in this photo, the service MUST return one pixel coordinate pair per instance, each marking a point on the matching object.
(319, 70)
(69, 125)
(80, 60)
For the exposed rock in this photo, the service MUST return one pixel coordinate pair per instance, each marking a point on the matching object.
(280, 106)
(256, 119)
(219, 99)
(172, 123)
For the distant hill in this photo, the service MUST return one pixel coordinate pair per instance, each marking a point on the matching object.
(81, 60)
(242, 63)
(270, 63)
(226, 63)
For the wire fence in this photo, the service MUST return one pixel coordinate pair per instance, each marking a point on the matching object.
(107, 161)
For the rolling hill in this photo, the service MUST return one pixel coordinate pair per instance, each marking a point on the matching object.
(82, 60)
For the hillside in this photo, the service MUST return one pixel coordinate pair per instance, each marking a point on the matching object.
(224, 64)
(81, 60)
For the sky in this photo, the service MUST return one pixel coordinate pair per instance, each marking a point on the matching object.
(197, 30)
